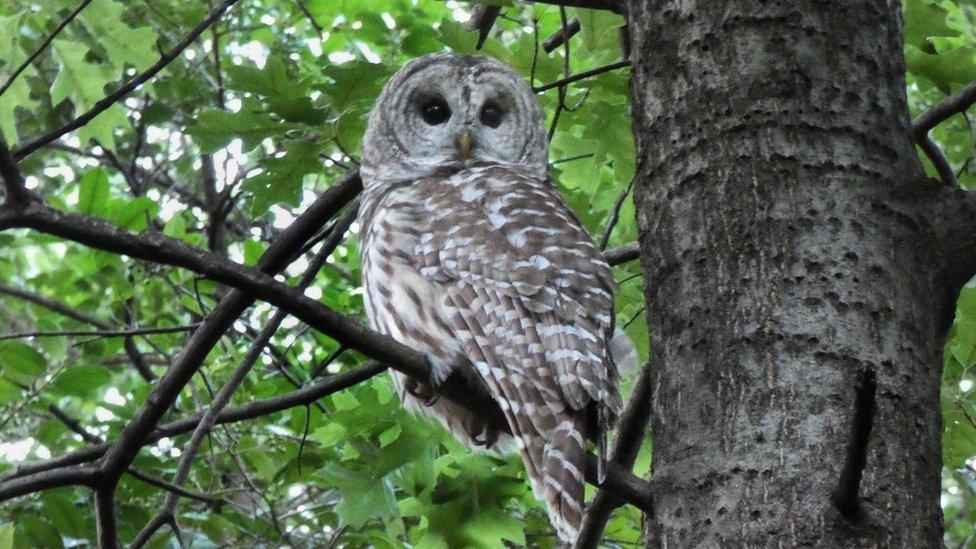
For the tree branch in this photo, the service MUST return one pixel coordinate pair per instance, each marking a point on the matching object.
(54, 305)
(238, 376)
(76, 427)
(130, 86)
(623, 254)
(53, 478)
(557, 38)
(581, 76)
(108, 534)
(952, 105)
(258, 408)
(943, 110)
(101, 333)
(13, 181)
(610, 5)
(482, 20)
(615, 215)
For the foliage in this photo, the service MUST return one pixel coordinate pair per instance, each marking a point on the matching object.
(275, 111)
(222, 150)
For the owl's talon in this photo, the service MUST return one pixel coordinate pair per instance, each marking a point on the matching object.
(422, 392)
(482, 435)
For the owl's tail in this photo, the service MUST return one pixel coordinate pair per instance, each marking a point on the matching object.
(554, 452)
(563, 460)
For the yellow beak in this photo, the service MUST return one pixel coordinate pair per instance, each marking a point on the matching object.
(464, 144)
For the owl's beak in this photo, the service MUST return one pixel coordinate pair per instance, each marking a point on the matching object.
(464, 144)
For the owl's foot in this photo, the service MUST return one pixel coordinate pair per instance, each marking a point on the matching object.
(421, 391)
(482, 435)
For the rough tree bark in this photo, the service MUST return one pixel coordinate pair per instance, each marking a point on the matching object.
(793, 277)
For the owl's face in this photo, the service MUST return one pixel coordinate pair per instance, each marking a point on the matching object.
(444, 112)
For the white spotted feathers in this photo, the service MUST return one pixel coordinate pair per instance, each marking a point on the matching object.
(470, 256)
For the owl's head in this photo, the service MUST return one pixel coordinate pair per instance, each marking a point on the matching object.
(446, 111)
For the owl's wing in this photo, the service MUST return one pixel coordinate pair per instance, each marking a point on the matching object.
(504, 232)
(529, 298)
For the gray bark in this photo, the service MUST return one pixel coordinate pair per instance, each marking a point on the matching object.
(798, 275)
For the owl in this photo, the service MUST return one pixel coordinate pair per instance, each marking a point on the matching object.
(470, 256)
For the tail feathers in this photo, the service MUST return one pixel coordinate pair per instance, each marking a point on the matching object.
(561, 483)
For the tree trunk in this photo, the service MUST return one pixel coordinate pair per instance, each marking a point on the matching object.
(795, 309)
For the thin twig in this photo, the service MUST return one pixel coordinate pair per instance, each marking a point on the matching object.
(40, 49)
(615, 215)
(581, 76)
(562, 89)
(571, 158)
(308, 15)
(53, 305)
(101, 333)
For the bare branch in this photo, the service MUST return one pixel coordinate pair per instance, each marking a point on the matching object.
(623, 254)
(581, 76)
(482, 20)
(40, 49)
(76, 427)
(173, 488)
(557, 38)
(615, 215)
(931, 150)
(943, 110)
(53, 478)
(107, 526)
(53, 305)
(952, 105)
(13, 180)
(101, 333)
(130, 86)
(610, 5)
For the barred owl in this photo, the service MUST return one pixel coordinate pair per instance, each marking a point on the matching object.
(470, 256)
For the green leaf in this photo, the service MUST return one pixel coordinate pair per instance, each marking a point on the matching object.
(7, 536)
(20, 361)
(84, 84)
(922, 20)
(123, 44)
(93, 192)
(944, 70)
(81, 380)
(599, 29)
(281, 181)
(215, 128)
(133, 214)
(9, 393)
(388, 436)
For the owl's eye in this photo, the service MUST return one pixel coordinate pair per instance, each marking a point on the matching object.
(491, 115)
(434, 111)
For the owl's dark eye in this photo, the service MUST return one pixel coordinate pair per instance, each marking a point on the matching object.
(491, 115)
(434, 111)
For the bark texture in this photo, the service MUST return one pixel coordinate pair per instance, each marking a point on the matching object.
(795, 303)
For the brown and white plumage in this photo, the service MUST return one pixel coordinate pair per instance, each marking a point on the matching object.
(471, 257)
